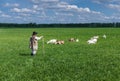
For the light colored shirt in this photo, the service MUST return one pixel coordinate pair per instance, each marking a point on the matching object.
(34, 42)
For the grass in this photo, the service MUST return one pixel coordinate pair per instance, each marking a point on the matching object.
(68, 62)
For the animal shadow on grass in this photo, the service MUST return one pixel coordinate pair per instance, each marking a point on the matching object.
(24, 54)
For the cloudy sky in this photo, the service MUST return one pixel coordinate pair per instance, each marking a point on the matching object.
(59, 11)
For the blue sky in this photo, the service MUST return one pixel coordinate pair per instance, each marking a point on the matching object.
(59, 11)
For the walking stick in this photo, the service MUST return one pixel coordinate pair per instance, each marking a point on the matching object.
(43, 50)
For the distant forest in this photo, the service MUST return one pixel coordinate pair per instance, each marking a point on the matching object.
(70, 25)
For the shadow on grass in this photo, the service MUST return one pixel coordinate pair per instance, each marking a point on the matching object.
(24, 54)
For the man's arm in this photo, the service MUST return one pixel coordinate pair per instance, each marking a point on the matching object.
(38, 38)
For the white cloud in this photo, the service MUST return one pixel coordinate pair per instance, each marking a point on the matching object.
(44, 1)
(114, 6)
(35, 1)
(25, 15)
(106, 1)
(72, 7)
(64, 14)
(84, 10)
(16, 10)
(5, 15)
(0, 11)
(49, 0)
(18, 17)
(21, 10)
(11, 5)
(35, 6)
(26, 10)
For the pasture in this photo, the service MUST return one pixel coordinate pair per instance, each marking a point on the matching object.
(73, 61)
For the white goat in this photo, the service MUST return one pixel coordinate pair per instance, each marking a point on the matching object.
(77, 40)
(55, 41)
(59, 42)
(52, 41)
(93, 40)
(73, 40)
(104, 36)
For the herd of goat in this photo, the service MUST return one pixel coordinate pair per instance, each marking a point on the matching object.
(92, 40)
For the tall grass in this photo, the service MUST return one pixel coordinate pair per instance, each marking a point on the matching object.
(73, 61)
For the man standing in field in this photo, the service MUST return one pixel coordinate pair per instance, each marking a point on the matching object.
(34, 43)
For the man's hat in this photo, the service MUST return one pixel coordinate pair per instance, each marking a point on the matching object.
(34, 33)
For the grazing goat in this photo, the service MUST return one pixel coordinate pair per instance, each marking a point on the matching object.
(73, 40)
(104, 36)
(93, 40)
(52, 41)
(55, 41)
(59, 42)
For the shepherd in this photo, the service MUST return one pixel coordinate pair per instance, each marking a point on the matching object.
(34, 43)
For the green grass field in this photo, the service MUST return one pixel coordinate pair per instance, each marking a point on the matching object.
(73, 61)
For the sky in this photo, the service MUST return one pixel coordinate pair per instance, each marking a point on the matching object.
(59, 11)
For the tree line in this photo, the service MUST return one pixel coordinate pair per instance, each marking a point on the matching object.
(70, 25)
